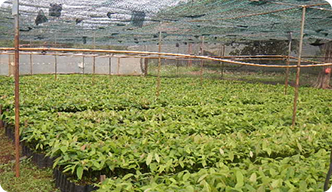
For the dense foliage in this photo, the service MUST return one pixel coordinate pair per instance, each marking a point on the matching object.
(222, 136)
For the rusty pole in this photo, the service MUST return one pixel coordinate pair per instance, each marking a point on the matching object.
(159, 66)
(288, 61)
(202, 61)
(298, 67)
(17, 87)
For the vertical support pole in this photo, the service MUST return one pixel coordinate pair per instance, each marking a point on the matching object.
(222, 54)
(202, 61)
(83, 65)
(159, 66)
(1, 122)
(109, 66)
(55, 66)
(288, 61)
(94, 40)
(298, 67)
(93, 65)
(9, 65)
(146, 66)
(31, 64)
(55, 40)
(93, 69)
(146, 62)
(118, 68)
(177, 61)
(190, 62)
(17, 87)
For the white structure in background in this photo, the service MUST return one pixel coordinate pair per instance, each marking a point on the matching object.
(69, 64)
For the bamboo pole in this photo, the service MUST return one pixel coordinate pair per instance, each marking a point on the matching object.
(166, 54)
(298, 66)
(202, 61)
(17, 86)
(288, 62)
(159, 66)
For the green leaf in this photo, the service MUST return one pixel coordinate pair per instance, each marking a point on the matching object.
(186, 176)
(239, 179)
(63, 149)
(79, 172)
(149, 159)
(299, 146)
(202, 177)
(231, 155)
(156, 156)
(253, 178)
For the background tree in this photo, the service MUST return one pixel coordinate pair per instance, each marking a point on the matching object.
(324, 77)
(272, 47)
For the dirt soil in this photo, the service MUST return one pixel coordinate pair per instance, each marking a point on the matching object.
(7, 149)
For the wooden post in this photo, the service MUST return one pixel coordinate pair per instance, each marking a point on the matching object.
(288, 62)
(17, 86)
(298, 67)
(159, 66)
(202, 61)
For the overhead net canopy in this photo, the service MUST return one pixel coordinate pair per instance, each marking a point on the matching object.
(138, 22)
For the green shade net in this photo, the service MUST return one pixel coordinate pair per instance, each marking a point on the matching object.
(126, 23)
